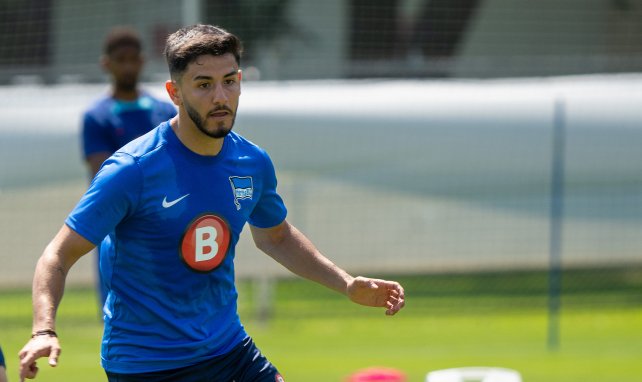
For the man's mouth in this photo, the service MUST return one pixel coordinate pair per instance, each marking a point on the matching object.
(219, 114)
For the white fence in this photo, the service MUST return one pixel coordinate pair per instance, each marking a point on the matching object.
(408, 176)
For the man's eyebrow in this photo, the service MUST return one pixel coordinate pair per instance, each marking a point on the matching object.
(209, 78)
(232, 73)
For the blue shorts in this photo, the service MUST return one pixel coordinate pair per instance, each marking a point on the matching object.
(244, 363)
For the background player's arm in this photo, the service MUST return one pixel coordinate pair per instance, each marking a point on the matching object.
(292, 249)
(48, 287)
(95, 160)
(95, 141)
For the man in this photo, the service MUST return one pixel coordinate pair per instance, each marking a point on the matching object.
(174, 203)
(123, 115)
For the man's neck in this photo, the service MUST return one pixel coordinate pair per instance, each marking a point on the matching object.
(125, 95)
(194, 139)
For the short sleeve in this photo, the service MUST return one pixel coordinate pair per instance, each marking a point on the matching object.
(270, 209)
(111, 197)
(94, 137)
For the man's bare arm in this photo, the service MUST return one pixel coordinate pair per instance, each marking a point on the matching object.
(48, 288)
(292, 249)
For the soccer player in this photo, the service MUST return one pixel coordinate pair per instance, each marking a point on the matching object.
(124, 114)
(174, 203)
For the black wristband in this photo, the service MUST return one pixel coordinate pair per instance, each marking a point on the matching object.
(44, 332)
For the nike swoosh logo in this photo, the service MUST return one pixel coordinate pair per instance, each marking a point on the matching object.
(167, 204)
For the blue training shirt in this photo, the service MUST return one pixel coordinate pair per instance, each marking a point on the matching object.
(110, 123)
(173, 218)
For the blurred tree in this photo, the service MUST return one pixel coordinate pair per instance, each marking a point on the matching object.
(254, 21)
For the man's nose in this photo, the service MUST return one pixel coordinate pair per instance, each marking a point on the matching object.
(219, 96)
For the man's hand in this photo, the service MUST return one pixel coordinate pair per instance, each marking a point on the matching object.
(37, 347)
(377, 293)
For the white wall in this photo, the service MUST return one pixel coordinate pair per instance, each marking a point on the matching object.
(396, 175)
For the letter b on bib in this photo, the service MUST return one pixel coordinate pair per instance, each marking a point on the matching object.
(205, 243)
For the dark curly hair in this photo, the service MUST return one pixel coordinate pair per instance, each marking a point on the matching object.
(188, 43)
(119, 37)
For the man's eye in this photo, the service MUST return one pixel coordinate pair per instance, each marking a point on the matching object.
(204, 85)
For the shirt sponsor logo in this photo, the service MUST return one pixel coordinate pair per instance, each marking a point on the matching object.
(205, 243)
(242, 187)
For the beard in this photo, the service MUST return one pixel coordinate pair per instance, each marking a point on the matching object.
(221, 129)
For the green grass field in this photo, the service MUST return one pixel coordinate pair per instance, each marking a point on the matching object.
(497, 319)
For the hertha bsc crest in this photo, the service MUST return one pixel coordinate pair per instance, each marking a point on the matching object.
(242, 187)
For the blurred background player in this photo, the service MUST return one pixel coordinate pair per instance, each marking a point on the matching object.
(124, 114)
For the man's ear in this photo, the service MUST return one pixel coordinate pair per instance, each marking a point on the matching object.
(104, 63)
(173, 92)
